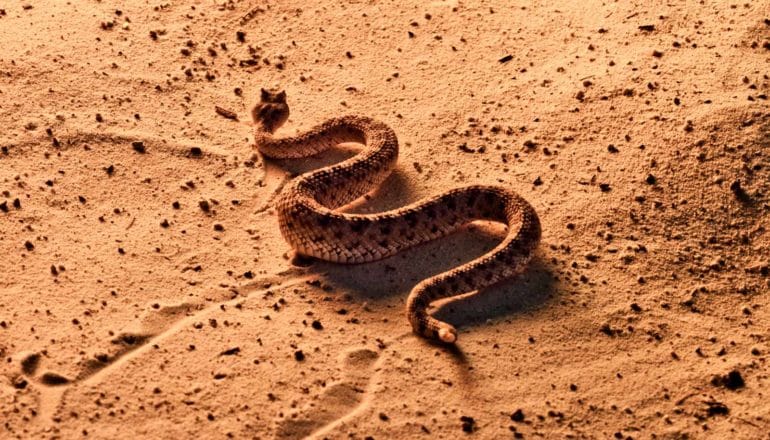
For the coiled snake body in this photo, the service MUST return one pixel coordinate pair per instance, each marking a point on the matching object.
(310, 221)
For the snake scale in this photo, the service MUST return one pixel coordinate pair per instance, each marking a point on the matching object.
(312, 223)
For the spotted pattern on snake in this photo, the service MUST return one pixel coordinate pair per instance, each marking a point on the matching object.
(312, 223)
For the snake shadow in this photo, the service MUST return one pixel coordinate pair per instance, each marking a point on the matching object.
(396, 276)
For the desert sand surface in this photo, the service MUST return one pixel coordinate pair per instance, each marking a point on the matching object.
(146, 290)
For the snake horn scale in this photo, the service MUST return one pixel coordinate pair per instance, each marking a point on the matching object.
(311, 220)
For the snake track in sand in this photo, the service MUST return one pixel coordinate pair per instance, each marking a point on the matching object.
(313, 225)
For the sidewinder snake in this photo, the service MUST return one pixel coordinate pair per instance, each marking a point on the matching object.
(312, 223)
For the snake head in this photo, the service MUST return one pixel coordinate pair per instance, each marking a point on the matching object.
(271, 111)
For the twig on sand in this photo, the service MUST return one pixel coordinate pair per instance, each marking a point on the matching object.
(225, 113)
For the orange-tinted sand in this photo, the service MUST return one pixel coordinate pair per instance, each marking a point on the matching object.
(145, 289)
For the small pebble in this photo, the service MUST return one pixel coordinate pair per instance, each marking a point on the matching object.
(518, 416)
(53, 379)
(468, 424)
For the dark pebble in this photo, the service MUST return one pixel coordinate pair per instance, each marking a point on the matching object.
(29, 363)
(20, 383)
(732, 380)
(717, 409)
(204, 205)
(299, 355)
(195, 152)
(465, 149)
(29, 245)
(138, 146)
(739, 192)
(518, 416)
(53, 379)
(4, 206)
(468, 424)
(317, 325)
(505, 59)
(231, 351)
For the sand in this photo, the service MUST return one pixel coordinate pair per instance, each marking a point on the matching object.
(146, 292)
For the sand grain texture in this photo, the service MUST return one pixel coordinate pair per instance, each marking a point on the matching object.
(145, 290)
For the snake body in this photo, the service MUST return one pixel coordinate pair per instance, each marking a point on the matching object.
(311, 222)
